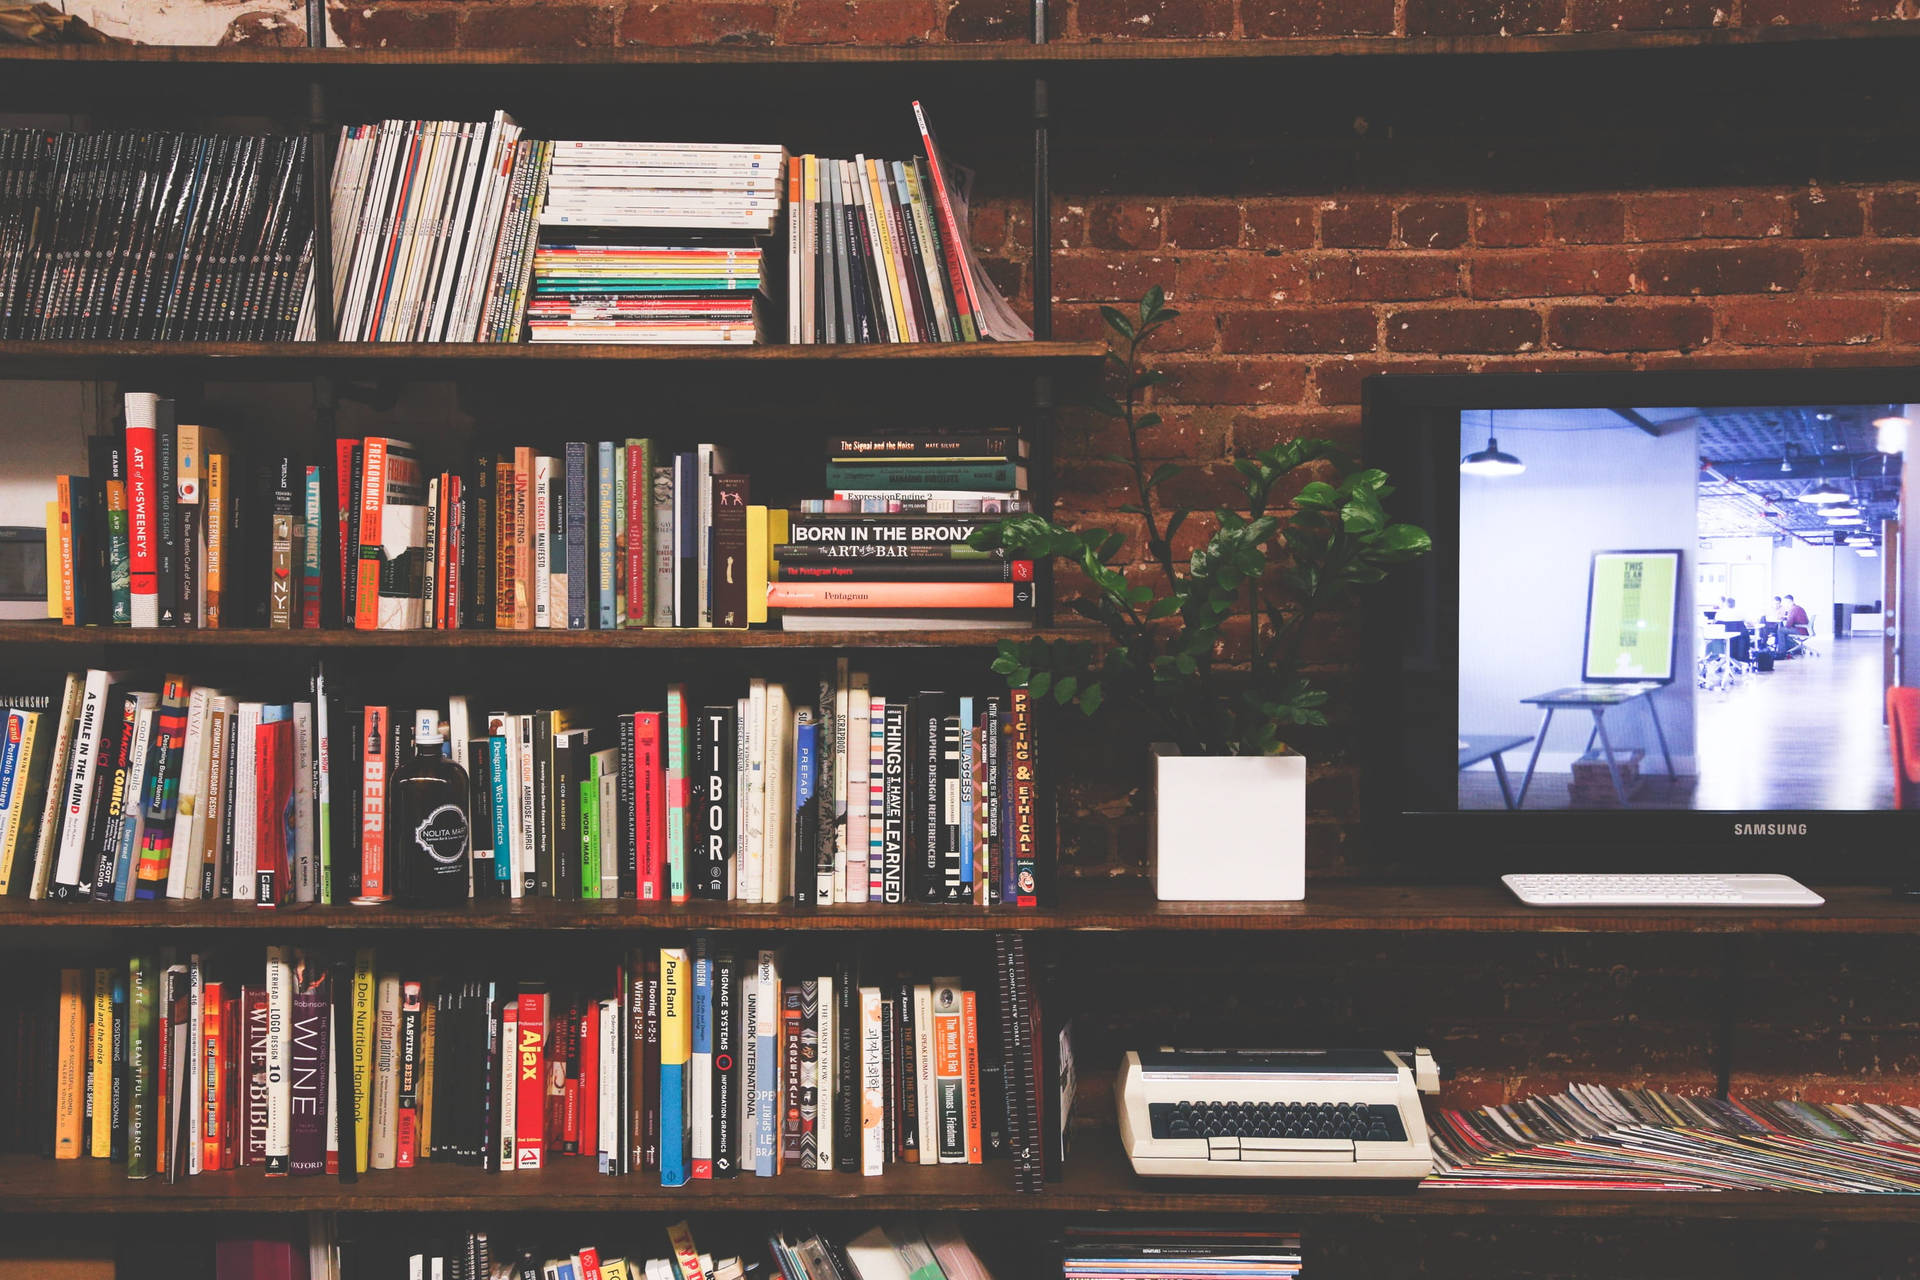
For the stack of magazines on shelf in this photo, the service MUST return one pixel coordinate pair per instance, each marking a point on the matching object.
(888, 550)
(660, 242)
(701, 1061)
(1177, 1252)
(117, 788)
(879, 251)
(476, 1256)
(434, 223)
(152, 235)
(930, 1250)
(1595, 1137)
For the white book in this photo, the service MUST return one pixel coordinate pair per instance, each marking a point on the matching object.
(543, 469)
(873, 1257)
(302, 859)
(415, 199)
(593, 200)
(837, 781)
(762, 222)
(823, 1078)
(796, 291)
(385, 1137)
(873, 1087)
(854, 780)
(776, 805)
(929, 1109)
(246, 831)
(47, 845)
(183, 870)
(876, 800)
(524, 857)
(766, 1135)
(280, 1058)
(747, 1077)
(607, 177)
(754, 795)
(499, 179)
(699, 1073)
(460, 237)
(885, 305)
(509, 1091)
(742, 771)
(370, 240)
(609, 1112)
(196, 1054)
(79, 781)
(459, 141)
(714, 153)
(610, 820)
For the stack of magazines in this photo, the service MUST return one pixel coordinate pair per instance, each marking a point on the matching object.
(699, 282)
(1605, 1139)
(1172, 1252)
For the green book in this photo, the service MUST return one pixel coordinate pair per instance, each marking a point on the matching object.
(143, 1068)
(894, 473)
(590, 832)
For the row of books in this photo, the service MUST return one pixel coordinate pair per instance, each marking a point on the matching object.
(434, 223)
(689, 1063)
(879, 251)
(698, 279)
(1597, 1137)
(173, 526)
(149, 234)
(114, 790)
(1172, 1252)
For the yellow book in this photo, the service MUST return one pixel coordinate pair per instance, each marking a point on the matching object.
(615, 1269)
(70, 1071)
(424, 1104)
(100, 1049)
(56, 598)
(889, 251)
(676, 1051)
(363, 998)
(759, 555)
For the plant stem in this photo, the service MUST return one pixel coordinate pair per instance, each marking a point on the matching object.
(1157, 546)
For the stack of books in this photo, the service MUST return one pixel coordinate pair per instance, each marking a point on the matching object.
(888, 549)
(1606, 1139)
(152, 235)
(705, 1059)
(699, 283)
(475, 1256)
(433, 230)
(1175, 1252)
(878, 251)
(114, 788)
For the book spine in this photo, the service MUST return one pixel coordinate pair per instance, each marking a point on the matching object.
(373, 807)
(312, 549)
(846, 1062)
(639, 549)
(792, 1034)
(577, 511)
(1023, 799)
(143, 1092)
(166, 518)
(949, 1072)
(604, 534)
(726, 1048)
(373, 483)
(407, 1138)
(530, 1136)
(505, 542)
(383, 1144)
(279, 1044)
(310, 1062)
(872, 1085)
(676, 1051)
(700, 1062)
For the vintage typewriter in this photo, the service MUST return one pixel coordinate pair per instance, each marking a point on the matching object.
(1276, 1113)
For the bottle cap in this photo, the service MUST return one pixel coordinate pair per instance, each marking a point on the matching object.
(426, 728)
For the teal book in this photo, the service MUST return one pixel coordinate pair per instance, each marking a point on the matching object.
(893, 473)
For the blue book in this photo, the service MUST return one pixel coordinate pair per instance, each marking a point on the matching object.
(700, 1061)
(806, 778)
(502, 840)
(605, 475)
(10, 764)
(674, 1042)
(574, 534)
(966, 790)
(766, 1136)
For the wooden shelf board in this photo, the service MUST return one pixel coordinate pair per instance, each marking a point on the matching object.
(1125, 907)
(1098, 1180)
(42, 354)
(1009, 54)
(52, 634)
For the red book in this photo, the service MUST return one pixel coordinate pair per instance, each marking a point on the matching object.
(253, 1015)
(563, 1080)
(589, 1263)
(453, 521)
(899, 595)
(639, 485)
(407, 1128)
(373, 807)
(231, 1116)
(373, 492)
(346, 455)
(589, 1108)
(273, 771)
(213, 1066)
(530, 1106)
(437, 592)
(970, 1070)
(650, 806)
(143, 478)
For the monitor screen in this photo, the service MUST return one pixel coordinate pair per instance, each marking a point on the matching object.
(1675, 621)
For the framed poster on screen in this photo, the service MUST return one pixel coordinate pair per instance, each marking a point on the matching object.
(1633, 604)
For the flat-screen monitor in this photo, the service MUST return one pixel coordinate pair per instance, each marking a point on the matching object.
(1657, 628)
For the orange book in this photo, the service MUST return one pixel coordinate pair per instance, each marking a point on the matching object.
(213, 1068)
(970, 1070)
(63, 486)
(373, 807)
(373, 487)
(215, 578)
(523, 539)
(949, 1073)
(505, 543)
(70, 1079)
(899, 595)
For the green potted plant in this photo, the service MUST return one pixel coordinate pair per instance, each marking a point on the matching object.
(1230, 820)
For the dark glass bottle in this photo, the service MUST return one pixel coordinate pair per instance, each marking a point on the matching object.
(429, 804)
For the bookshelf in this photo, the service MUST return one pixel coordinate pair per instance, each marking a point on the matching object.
(296, 84)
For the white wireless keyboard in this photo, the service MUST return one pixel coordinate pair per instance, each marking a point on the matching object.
(1704, 890)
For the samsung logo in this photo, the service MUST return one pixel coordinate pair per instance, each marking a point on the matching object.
(1769, 828)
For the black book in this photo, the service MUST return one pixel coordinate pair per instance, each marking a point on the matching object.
(726, 1066)
(480, 823)
(626, 842)
(106, 463)
(571, 754)
(342, 1054)
(890, 1084)
(711, 802)
(860, 272)
(253, 525)
(348, 742)
(952, 816)
(488, 1048)
(85, 505)
(846, 1067)
(96, 869)
(927, 714)
(117, 1091)
(227, 816)
(543, 882)
(829, 788)
(893, 828)
(806, 831)
(909, 1086)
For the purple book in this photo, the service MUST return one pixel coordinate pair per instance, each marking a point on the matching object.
(312, 1009)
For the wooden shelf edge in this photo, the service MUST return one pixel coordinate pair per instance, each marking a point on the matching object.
(1089, 909)
(477, 353)
(52, 634)
(1003, 55)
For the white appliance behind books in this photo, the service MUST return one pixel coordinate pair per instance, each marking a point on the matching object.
(1306, 1113)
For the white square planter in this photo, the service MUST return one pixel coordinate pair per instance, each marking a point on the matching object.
(1229, 828)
